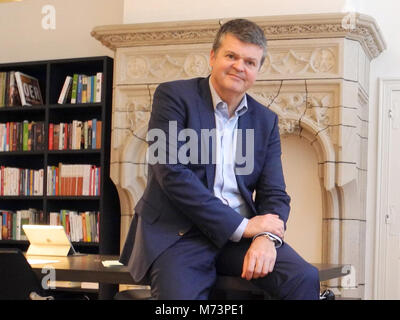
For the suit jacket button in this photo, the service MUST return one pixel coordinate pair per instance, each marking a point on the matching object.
(181, 233)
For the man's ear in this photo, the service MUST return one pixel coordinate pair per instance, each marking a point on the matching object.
(212, 58)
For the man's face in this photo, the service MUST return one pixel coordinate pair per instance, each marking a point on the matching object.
(234, 66)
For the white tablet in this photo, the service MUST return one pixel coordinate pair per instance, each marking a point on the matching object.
(47, 240)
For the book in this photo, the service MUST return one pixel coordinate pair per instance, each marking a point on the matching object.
(65, 90)
(12, 93)
(51, 136)
(29, 89)
(3, 81)
(94, 128)
(31, 127)
(56, 137)
(90, 89)
(38, 136)
(74, 90)
(84, 89)
(99, 81)
(98, 134)
(79, 89)
(25, 135)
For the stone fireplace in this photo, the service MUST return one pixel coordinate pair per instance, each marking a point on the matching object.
(315, 78)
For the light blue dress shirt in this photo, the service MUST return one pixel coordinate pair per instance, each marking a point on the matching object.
(225, 184)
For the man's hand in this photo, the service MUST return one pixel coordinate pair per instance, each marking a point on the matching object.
(264, 223)
(259, 259)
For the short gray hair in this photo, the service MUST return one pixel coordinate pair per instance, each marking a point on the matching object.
(246, 31)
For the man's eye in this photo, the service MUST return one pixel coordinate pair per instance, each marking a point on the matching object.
(230, 56)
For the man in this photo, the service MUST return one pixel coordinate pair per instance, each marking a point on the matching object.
(197, 218)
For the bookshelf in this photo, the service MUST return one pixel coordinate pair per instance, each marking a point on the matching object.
(51, 75)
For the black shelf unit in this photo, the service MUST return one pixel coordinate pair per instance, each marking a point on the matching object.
(51, 75)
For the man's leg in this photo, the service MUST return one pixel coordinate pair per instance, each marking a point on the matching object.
(292, 278)
(186, 270)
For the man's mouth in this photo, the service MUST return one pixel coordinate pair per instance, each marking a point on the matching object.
(236, 76)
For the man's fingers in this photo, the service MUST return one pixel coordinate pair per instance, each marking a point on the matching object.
(248, 267)
(259, 268)
(244, 268)
(265, 269)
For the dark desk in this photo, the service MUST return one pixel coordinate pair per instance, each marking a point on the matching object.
(88, 268)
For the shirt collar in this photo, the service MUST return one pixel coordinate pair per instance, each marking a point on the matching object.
(216, 99)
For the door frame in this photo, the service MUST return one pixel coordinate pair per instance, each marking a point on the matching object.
(386, 88)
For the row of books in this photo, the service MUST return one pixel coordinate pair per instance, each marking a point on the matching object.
(11, 222)
(29, 136)
(73, 180)
(19, 89)
(79, 226)
(81, 88)
(75, 135)
(22, 136)
(21, 182)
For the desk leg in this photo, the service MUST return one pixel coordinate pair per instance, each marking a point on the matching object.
(107, 291)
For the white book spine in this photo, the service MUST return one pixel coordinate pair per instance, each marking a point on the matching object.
(18, 226)
(99, 80)
(60, 137)
(64, 92)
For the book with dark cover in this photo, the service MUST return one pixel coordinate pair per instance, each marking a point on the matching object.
(56, 136)
(38, 136)
(12, 98)
(18, 137)
(29, 89)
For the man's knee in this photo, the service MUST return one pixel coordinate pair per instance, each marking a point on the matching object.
(311, 274)
(308, 286)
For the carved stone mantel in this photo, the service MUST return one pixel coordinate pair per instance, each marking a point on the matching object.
(315, 77)
(353, 26)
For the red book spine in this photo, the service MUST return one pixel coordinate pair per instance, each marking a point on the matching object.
(51, 137)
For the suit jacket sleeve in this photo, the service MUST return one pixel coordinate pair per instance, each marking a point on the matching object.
(271, 196)
(179, 183)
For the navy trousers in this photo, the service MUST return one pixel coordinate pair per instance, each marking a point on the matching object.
(188, 270)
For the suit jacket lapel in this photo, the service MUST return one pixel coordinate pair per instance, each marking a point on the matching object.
(207, 121)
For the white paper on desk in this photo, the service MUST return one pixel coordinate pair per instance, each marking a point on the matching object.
(41, 261)
(111, 263)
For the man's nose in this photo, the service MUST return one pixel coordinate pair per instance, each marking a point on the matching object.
(239, 65)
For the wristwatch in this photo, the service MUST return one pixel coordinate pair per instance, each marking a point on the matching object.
(270, 237)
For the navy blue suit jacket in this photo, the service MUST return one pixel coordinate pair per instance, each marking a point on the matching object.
(178, 196)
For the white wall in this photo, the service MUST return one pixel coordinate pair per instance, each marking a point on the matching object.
(22, 37)
(173, 10)
(386, 13)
